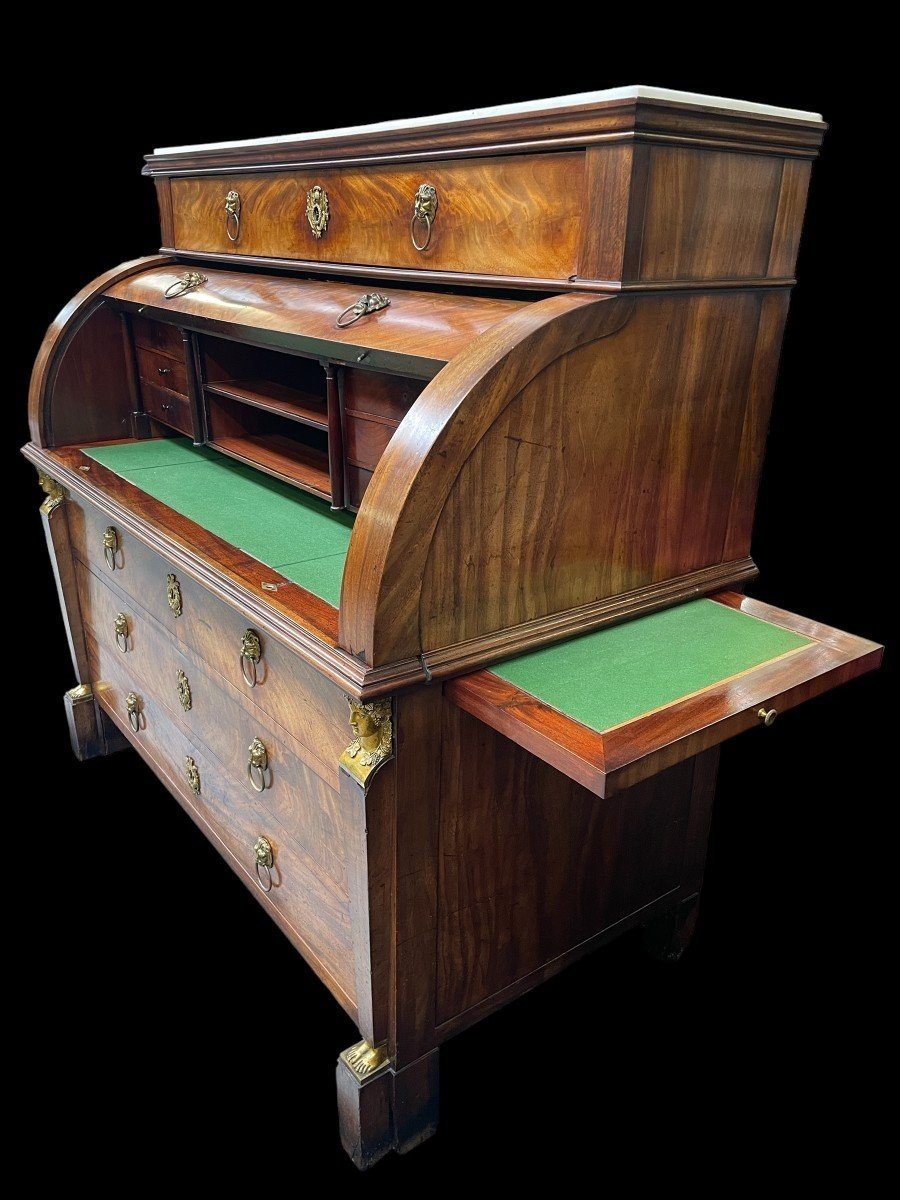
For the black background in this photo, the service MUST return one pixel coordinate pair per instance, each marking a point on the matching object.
(171, 992)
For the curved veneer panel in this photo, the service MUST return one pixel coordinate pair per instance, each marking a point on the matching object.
(82, 357)
(583, 460)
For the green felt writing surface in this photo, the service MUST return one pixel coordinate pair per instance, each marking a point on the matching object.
(616, 674)
(293, 533)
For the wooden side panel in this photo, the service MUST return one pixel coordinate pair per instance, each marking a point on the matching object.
(532, 865)
(761, 392)
(613, 469)
(513, 214)
(91, 399)
(166, 218)
(92, 411)
(616, 190)
(789, 219)
(709, 215)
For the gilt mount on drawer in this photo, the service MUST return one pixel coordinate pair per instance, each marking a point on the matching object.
(505, 511)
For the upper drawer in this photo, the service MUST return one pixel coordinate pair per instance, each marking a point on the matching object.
(516, 215)
(162, 371)
(618, 705)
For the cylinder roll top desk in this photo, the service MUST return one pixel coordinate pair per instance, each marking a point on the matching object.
(400, 511)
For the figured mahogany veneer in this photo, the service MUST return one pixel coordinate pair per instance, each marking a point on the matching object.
(415, 336)
(524, 470)
(504, 215)
(684, 192)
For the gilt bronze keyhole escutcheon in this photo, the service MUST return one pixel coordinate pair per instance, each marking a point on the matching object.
(317, 211)
(173, 594)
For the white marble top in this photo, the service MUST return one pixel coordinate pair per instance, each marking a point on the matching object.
(633, 92)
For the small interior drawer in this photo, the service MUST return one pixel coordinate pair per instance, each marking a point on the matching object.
(158, 336)
(168, 407)
(617, 705)
(159, 369)
(366, 440)
(379, 395)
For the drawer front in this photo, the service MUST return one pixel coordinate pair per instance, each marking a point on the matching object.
(162, 371)
(315, 910)
(377, 395)
(288, 690)
(357, 482)
(217, 716)
(168, 407)
(156, 335)
(365, 439)
(514, 215)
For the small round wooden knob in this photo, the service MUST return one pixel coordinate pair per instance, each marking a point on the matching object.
(767, 716)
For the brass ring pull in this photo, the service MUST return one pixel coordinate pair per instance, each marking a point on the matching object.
(767, 716)
(187, 283)
(251, 652)
(233, 215)
(257, 765)
(121, 627)
(424, 212)
(133, 708)
(110, 546)
(369, 303)
(264, 859)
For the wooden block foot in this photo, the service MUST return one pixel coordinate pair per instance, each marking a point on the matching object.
(381, 1109)
(91, 732)
(668, 936)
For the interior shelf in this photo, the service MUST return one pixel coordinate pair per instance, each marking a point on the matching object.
(270, 396)
(280, 456)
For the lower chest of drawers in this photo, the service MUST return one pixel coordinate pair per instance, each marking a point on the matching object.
(240, 775)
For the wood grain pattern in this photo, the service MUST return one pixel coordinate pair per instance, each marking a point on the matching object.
(418, 791)
(402, 505)
(621, 757)
(357, 482)
(708, 215)
(616, 184)
(166, 216)
(760, 393)
(366, 439)
(530, 476)
(379, 395)
(789, 217)
(657, 121)
(510, 215)
(417, 334)
(162, 370)
(369, 830)
(613, 469)
(62, 335)
(62, 561)
(296, 696)
(532, 865)
(168, 407)
(312, 915)
(307, 807)
(157, 336)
